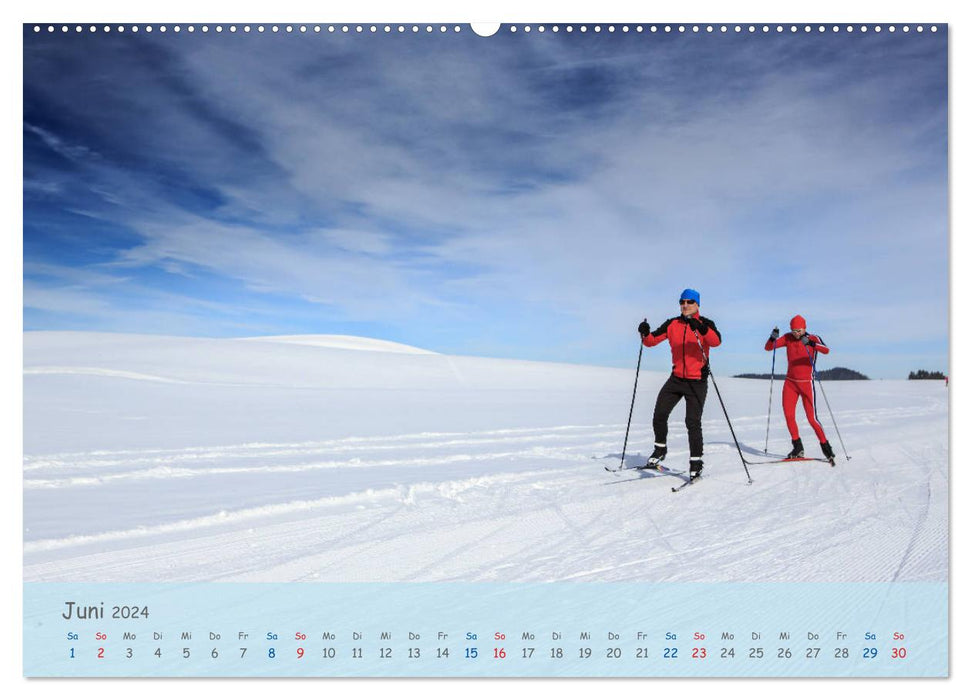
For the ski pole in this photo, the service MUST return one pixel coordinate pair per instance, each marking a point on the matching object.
(831, 416)
(630, 415)
(724, 410)
(769, 418)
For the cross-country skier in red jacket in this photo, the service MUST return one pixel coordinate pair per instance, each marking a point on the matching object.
(690, 336)
(801, 349)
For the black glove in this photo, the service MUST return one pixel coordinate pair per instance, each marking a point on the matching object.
(806, 340)
(644, 328)
(697, 326)
(774, 335)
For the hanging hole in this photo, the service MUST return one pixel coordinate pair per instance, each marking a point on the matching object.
(485, 28)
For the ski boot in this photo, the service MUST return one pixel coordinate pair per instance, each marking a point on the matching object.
(797, 451)
(828, 453)
(659, 453)
(695, 465)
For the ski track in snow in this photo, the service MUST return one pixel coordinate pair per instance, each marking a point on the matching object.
(560, 522)
(521, 501)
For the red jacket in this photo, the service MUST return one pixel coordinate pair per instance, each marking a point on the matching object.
(688, 360)
(801, 357)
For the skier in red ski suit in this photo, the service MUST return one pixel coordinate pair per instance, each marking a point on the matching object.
(690, 335)
(801, 349)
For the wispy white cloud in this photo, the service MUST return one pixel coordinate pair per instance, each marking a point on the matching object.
(71, 151)
(541, 181)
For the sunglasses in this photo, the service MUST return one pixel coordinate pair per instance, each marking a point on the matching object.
(687, 301)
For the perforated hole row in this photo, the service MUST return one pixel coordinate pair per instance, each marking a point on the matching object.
(441, 29)
(247, 28)
(725, 28)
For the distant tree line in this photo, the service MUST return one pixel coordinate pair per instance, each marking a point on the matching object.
(839, 373)
(924, 374)
(836, 373)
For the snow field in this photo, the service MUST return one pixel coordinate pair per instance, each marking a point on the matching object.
(176, 459)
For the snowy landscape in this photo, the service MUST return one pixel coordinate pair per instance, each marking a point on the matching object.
(332, 458)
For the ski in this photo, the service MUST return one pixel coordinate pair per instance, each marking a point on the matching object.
(655, 467)
(688, 482)
(659, 470)
(658, 467)
(794, 459)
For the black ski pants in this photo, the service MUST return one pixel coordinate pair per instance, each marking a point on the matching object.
(694, 392)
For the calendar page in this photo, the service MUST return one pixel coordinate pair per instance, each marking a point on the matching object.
(475, 351)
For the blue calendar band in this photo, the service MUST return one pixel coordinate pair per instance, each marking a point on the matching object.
(486, 630)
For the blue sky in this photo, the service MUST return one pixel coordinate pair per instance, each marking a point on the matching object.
(528, 196)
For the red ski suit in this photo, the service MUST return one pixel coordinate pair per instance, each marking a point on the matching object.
(799, 381)
(688, 361)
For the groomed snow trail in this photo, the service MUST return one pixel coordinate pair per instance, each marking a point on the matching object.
(162, 459)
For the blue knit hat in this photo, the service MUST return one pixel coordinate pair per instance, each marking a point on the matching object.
(690, 294)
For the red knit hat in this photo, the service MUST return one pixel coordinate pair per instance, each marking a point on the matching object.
(797, 322)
